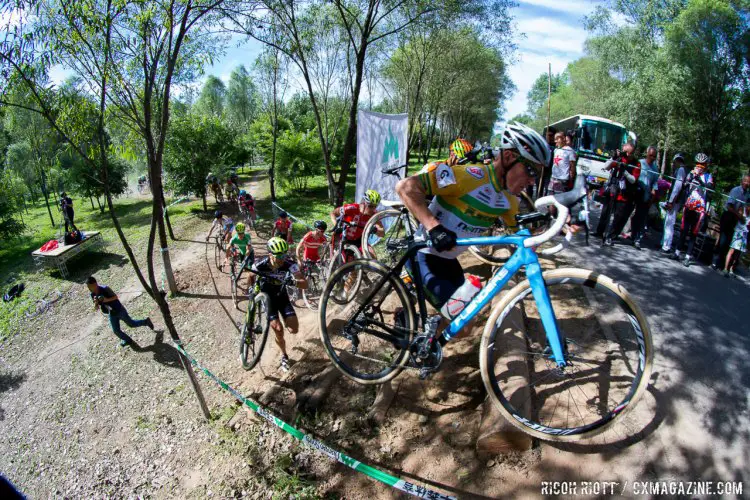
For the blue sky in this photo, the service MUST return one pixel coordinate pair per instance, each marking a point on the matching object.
(547, 31)
(552, 33)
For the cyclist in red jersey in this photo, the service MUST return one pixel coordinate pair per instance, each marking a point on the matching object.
(358, 214)
(283, 227)
(311, 243)
(247, 201)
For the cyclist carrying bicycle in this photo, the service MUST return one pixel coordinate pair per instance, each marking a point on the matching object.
(468, 198)
(241, 241)
(225, 223)
(277, 267)
(311, 243)
(231, 190)
(357, 215)
(247, 202)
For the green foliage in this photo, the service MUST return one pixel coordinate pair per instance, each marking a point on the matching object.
(211, 100)
(298, 157)
(242, 99)
(10, 223)
(197, 145)
(677, 75)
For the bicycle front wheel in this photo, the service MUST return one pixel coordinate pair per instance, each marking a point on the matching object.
(372, 346)
(608, 349)
(311, 294)
(218, 254)
(254, 332)
(342, 290)
(389, 247)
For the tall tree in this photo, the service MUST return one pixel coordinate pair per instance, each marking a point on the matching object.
(211, 100)
(130, 55)
(242, 99)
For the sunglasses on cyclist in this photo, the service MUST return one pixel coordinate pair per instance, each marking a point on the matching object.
(531, 168)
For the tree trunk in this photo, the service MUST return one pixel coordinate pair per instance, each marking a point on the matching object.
(166, 214)
(203, 197)
(351, 134)
(272, 170)
(49, 210)
(91, 199)
(101, 208)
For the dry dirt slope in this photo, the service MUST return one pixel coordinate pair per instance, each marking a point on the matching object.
(81, 417)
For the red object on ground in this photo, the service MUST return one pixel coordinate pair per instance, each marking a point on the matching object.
(49, 246)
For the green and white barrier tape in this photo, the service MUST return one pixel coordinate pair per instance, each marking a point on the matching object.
(383, 477)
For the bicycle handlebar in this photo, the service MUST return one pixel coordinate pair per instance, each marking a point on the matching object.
(562, 202)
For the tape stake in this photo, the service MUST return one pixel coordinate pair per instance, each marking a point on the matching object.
(377, 474)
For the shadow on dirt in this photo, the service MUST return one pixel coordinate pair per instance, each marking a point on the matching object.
(164, 354)
(9, 382)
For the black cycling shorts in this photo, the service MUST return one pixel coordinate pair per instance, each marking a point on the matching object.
(440, 277)
(280, 304)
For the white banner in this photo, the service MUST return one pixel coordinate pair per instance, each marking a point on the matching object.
(381, 143)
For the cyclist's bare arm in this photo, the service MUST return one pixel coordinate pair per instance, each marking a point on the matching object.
(211, 230)
(335, 215)
(412, 193)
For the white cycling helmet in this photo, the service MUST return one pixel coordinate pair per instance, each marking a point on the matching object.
(526, 141)
(702, 158)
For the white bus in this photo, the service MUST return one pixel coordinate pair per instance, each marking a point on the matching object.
(595, 141)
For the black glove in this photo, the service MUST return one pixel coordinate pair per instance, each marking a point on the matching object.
(442, 239)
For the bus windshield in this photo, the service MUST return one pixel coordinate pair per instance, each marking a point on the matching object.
(601, 138)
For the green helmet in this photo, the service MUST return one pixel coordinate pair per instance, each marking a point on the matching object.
(240, 227)
(372, 197)
(277, 246)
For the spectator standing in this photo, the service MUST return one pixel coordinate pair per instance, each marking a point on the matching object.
(106, 300)
(675, 199)
(613, 190)
(645, 195)
(739, 243)
(697, 182)
(563, 166)
(738, 199)
(66, 206)
(547, 171)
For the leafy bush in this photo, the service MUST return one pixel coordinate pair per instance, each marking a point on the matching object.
(298, 157)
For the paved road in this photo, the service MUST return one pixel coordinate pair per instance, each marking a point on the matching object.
(696, 419)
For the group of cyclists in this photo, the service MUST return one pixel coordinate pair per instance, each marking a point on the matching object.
(470, 190)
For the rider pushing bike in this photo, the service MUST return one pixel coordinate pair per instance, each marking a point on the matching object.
(279, 271)
(468, 198)
(357, 215)
(241, 241)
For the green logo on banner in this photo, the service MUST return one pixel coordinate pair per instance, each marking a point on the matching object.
(390, 148)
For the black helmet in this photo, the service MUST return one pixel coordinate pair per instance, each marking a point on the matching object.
(283, 214)
(218, 214)
(319, 224)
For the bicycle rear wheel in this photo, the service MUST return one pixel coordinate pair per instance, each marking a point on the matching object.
(233, 282)
(608, 348)
(371, 347)
(392, 245)
(254, 332)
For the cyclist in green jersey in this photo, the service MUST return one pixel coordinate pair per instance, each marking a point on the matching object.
(241, 240)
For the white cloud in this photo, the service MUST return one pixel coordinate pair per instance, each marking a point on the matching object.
(566, 6)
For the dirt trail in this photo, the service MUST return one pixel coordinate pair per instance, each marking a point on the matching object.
(82, 417)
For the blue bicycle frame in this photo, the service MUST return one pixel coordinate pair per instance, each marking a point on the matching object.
(523, 256)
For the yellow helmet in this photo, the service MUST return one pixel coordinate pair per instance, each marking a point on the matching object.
(277, 246)
(460, 147)
(240, 227)
(372, 197)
